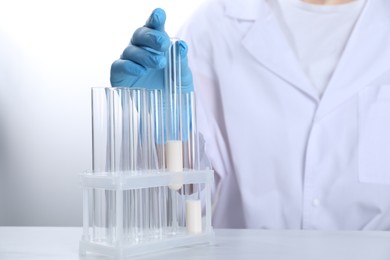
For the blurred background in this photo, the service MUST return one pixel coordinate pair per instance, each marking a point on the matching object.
(51, 54)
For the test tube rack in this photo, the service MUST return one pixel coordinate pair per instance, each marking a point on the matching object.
(147, 190)
(121, 242)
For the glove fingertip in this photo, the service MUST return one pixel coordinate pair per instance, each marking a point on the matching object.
(183, 48)
(156, 19)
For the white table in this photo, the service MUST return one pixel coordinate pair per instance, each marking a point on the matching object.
(58, 243)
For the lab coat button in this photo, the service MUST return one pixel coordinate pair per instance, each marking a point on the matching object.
(316, 203)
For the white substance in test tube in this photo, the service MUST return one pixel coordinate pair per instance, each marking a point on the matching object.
(174, 159)
(194, 216)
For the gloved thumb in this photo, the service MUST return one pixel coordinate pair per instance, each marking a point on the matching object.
(186, 75)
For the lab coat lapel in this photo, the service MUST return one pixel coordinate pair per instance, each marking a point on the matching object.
(268, 44)
(365, 58)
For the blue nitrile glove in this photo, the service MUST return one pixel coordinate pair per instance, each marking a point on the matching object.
(143, 60)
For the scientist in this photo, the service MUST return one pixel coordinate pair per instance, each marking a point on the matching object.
(294, 107)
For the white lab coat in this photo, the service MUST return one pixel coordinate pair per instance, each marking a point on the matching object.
(284, 157)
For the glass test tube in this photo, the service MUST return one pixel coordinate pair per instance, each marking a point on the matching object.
(185, 129)
(182, 139)
(174, 153)
(191, 204)
(158, 194)
(135, 215)
(153, 159)
(103, 161)
(129, 157)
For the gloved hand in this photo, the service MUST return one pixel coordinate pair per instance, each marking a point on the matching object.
(143, 60)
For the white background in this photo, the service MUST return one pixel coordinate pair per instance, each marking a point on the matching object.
(51, 54)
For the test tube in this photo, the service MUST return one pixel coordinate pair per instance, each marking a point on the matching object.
(103, 162)
(157, 195)
(136, 217)
(153, 159)
(100, 134)
(127, 141)
(174, 152)
(191, 211)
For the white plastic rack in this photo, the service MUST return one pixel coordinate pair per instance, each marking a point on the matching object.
(121, 241)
